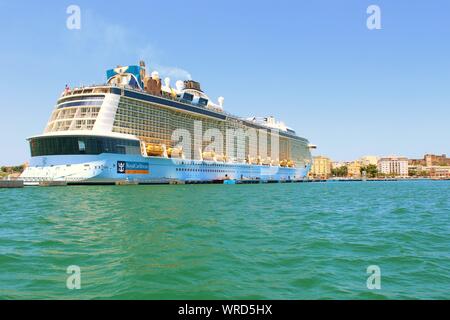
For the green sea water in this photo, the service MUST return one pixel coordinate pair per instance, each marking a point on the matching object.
(266, 241)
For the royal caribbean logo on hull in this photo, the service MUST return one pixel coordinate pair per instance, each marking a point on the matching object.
(127, 167)
(121, 166)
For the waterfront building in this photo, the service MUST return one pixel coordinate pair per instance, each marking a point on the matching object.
(321, 167)
(369, 160)
(354, 169)
(338, 164)
(415, 169)
(429, 171)
(416, 162)
(429, 160)
(397, 166)
(434, 166)
(439, 172)
(436, 160)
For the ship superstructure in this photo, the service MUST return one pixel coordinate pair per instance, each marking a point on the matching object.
(138, 127)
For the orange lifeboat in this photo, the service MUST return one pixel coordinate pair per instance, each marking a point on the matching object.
(155, 150)
(221, 158)
(175, 152)
(266, 161)
(208, 155)
(251, 160)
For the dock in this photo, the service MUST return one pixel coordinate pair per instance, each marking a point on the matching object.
(52, 183)
(126, 183)
(11, 183)
(49, 183)
(184, 182)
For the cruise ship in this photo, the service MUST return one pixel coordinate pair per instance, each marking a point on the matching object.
(139, 128)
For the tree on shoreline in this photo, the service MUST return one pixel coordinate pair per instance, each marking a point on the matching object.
(340, 171)
(5, 170)
(371, 170)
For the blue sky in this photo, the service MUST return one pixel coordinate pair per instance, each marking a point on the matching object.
(314, 64)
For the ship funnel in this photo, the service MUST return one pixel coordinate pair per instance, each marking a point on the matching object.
(191, 84)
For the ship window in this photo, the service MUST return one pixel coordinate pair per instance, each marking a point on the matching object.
(43, 146)
(80, 103)
(188, 96)
(203, 102)
(121, 149)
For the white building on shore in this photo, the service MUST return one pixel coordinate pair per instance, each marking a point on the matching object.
(397, 166)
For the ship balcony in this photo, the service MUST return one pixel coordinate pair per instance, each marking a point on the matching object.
(100, 89)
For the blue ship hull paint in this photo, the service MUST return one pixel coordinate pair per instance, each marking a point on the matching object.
(109, 167)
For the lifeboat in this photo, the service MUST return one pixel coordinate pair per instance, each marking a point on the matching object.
(283, 163)
(175, 152)
(155, 150)
(266, 161)
(221, 158)
(291, 164)
(251, 160)
(209, 155)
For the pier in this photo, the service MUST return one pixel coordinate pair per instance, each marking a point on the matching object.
(52, 183)
(49, 183)
(11, 184)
